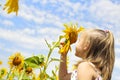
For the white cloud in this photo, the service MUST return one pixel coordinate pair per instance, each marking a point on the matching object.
(31, 38)
(117, 50)
(27, 13)
(65, 7)
(4, 13)
(28, 31)
(106, 11)
(117, 63)
(89, 24)
(39, 17)
(21, 39)
(117, 37)
(4, 62)
(76, 6)
(49, 33)
(7, 23)
(43, 2)
(117, 59)
(70, 9)
(49, 30)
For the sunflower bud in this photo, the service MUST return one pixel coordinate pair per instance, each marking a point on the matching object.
(28, 70)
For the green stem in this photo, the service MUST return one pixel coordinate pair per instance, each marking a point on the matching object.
(21, 76)
(48, 59)
(49, 54)
(9, 74)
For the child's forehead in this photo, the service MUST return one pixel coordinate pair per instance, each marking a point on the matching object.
(83, 34)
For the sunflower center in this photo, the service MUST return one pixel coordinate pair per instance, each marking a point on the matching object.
(43, 76)
(29, 70)
(17, 61)
(73, 37)
(2, 72)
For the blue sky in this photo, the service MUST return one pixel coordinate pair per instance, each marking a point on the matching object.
(43, 19)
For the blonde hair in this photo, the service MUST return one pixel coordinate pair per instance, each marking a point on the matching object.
(101, 51)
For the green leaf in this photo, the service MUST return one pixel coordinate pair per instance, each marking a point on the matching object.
(54, 74)
(26, 77)
(33, 61)
(33, 65)
(41, 58)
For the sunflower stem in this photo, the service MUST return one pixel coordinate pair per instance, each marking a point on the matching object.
(49, 54)
(21, 76)
(9, 74)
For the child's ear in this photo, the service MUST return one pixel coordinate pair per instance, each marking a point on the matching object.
(86, 45)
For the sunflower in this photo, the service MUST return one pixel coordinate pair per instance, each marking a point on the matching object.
(29, 70)
(3, 72)
(57, 78)
(34, 77)
(0, 62)
(42, 76)
(71, 35)
(16, 60)
(11, 6)
(71, 32)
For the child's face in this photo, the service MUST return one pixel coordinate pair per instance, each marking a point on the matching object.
(80, 46)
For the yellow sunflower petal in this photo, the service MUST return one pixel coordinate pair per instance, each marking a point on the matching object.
(81, 28)
(65, 48)
(71, 33)
(11, 6)
(16, 60)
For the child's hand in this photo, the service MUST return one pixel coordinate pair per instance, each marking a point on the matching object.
(64, 47)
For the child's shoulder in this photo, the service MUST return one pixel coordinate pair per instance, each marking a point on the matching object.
(84, 64)
(85, 71)
(86, 67)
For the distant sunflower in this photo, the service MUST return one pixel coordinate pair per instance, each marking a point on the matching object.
(57, 78)
(29, 70)
(3, 72)
(34, 77)
(71, 35)
(16, 60)
(43, 76)
(11, 6)
(0, 62)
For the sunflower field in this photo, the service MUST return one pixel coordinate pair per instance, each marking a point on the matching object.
(21, 68)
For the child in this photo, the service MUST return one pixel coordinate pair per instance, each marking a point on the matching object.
(96, 48)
